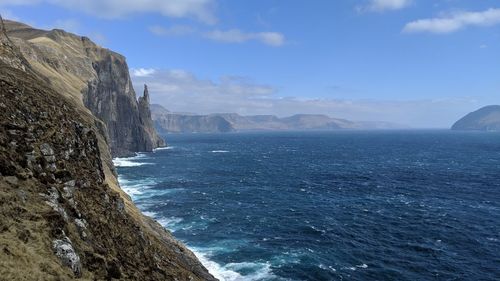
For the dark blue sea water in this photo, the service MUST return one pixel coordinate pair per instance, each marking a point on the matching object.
(346, 205)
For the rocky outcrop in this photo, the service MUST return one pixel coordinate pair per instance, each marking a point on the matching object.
(9, 52)
(484, 119)
(91, 76)
(62, 213)
(152, 139)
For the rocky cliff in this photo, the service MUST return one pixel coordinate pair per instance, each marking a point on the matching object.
(152, 138)
(484, 119)
(96, 77)
(168, 122)
(62, 213)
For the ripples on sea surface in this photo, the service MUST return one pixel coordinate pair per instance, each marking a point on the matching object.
(345, 205)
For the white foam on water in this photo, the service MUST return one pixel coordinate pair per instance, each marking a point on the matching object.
(163, 148)
(169, 223)
(131, 191)
(219, 151)
(149, 214)
(136, 187)
(122, 162)
(131, 161)
(229, 272)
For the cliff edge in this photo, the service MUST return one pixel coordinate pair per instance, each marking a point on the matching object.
(92, 76)
(62, 213)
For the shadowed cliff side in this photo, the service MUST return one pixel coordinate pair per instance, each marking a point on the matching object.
(94, 76)
(62, 213)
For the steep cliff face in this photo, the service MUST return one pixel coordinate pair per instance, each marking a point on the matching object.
(483, 119)
(167, 122)
(62, 213)
(111, 97)
(94, 76)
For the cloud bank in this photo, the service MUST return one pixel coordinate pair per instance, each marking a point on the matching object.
(182, 91)
(274, 39)
(454, 22)
(202, 10)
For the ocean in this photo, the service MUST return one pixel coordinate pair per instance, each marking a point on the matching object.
(340, 205)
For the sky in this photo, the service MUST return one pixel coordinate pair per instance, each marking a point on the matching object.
(420, 63)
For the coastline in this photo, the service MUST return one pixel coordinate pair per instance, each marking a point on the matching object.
(138, 189)
(133, 190)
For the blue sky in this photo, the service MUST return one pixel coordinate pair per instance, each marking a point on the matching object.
(423, 63)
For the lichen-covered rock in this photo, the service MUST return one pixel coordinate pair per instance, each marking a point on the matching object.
(46, 150)
(81, 224)
(65, 251)
(52, 199)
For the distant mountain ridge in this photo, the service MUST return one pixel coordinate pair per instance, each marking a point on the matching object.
(171, 122)
(483, 119)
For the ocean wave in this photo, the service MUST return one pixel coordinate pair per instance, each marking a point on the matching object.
(170, 223)
(135, 188)
(131, 161)
(149, 214)
(163, 148)
(127, 163)
(230, 272)
(219, 151)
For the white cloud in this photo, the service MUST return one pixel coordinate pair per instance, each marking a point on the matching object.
(176, 30)
(454, 22)
(274, 39)
(142, 72)
(384, 5)
(237, 36)
(182, 91)
(202, 10)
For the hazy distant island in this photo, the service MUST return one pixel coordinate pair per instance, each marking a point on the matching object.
(166, 121)
(484, 119)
